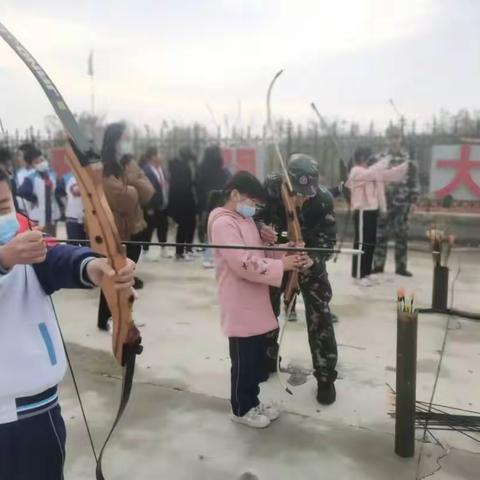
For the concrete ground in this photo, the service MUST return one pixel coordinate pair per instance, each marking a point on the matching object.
(176, 425)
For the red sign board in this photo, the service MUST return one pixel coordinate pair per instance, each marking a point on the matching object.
(58, 161)
(243, 158)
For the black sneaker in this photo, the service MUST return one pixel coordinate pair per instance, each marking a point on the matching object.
(404, 273)
(376, 270)
(137, 284)
(326, 393)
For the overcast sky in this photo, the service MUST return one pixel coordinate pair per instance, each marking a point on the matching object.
(161, 60)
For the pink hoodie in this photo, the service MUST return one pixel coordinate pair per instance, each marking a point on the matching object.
(243, 276)
(367, 185)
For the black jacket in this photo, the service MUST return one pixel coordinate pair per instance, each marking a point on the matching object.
(182, 199)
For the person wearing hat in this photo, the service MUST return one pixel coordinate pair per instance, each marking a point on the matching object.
(40, 189)
(400, 196)
(317, 220)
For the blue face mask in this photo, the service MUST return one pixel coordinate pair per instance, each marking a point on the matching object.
(8, 227)
(246, 211)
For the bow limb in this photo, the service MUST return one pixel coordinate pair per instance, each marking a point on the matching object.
(105, 240)
(293, 226)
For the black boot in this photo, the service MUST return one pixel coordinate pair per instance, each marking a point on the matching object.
(403, 272)
(326, 393)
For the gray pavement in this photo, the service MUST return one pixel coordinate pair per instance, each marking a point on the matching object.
(177, 427)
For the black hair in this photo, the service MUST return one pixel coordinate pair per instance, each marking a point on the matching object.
(212, 159)
(361, 155)
(30, 153)
(113, 133)
(186, 153)
(126, 159)
(246, 184)
(25, 146)
(150, 152)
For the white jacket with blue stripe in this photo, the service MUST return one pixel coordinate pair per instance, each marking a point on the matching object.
(32, 356)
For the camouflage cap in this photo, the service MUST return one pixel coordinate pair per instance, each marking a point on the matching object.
(303, 172)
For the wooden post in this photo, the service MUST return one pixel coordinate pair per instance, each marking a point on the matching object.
(440, 288)
(407, 326)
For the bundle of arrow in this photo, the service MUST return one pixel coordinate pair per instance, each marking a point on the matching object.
(431, 416)
(441, 244)
(404, 305)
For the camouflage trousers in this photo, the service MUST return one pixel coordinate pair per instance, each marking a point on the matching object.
(317, 293)
(393, 223)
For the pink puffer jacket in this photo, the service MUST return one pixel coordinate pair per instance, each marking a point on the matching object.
(243, 276)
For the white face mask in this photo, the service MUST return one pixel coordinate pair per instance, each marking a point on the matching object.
(126, 147)
(42, 166)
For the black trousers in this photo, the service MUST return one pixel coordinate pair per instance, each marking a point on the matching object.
(157, 221)
(133, 253)
(185, 231)
(247, 355)
(75, 230)
(365, 224)
(33, 447)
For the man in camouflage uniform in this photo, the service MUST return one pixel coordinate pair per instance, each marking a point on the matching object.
(400, 198)
(317, 221)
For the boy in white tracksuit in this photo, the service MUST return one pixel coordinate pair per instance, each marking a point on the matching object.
(32, 357)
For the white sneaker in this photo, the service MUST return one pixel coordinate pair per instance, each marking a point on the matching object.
(363, 282)
(190, 257)
(253, 418)
(166, 253)
(270, 411)
(208, 264)
(150, 256)
(374, 280)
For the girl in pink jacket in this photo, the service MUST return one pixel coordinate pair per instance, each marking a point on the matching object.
(367, 187)
(243, 278)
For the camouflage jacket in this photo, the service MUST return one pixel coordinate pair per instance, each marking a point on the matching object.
(317, 216)
(403, 194)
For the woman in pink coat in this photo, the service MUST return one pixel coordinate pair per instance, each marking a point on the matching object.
(367, 187)
(243, 278)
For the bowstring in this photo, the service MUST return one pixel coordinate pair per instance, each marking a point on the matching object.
(67, 356)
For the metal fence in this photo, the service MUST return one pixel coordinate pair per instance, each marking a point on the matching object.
(311, 141)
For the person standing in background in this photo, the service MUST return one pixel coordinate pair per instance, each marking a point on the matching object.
(74, 213)
(366, 184)
(40, 189)
(401, 197)
(182, 206)
(212, 175)
(156, 210)
(22, 171)
(127, 189)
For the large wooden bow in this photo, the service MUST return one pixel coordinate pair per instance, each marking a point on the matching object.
(293, 225)
(103, 233)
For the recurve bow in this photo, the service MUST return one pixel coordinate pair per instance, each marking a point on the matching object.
(103, 233)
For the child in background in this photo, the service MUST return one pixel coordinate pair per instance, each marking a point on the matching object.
(74, 213)
(244, 277)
